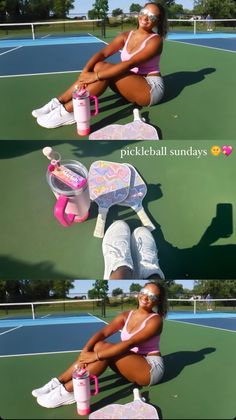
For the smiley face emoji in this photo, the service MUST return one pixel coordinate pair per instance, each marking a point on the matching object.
(215, 150)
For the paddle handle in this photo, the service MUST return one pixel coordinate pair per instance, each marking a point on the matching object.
(145, 219)
(137, 396)
(137, 116)
(100, 224)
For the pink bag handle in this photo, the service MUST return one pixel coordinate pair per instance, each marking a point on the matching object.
(96, 384)
(95, 112)
(59, 211)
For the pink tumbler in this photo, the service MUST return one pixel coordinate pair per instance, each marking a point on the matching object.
(81, 384)
(82, 112)
(73, 201)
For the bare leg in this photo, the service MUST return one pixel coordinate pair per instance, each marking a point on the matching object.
(131, 366)
(122, 273)
(96, 88)
(134, 368)
(155, 277)
(96, 368)
(132, 87)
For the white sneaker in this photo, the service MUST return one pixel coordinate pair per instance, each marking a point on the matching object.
(57, 397)
(50, 106)
(145, 254)
(54, 383)
(116, 248)
(56, 118)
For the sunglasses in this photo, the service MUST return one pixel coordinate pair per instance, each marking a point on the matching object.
(145, 12)
(151, 296)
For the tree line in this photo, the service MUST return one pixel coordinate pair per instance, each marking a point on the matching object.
(30, 10)
(33, 290)
(36, 290)
(218, 289)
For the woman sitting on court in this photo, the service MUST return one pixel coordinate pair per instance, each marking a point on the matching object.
(136, 78)
(136, 357)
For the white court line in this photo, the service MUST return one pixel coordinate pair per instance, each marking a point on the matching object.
(96, 317)
(201, 325)
(13, 49)
(199, 45)
(41, 74)
(100, 40)
(12, 329)
(40, 354)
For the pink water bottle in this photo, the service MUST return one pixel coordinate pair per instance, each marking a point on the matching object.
(81, 384)
(82, 110)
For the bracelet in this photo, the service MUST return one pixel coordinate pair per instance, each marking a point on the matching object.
(98, 78)
(98, 358)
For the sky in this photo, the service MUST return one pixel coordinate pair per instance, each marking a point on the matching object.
(82, 6)
(82, 286)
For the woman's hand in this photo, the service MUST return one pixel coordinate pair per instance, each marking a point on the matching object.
(87, 357)
(88, 77)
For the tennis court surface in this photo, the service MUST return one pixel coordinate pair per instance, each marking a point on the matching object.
(197, 69)
(190, 199)
(199, 381)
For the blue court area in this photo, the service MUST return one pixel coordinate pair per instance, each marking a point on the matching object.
(226, 43)
(48, 41)
(218, 320)
(47, 56)
(25, 336)
(47, 321)
(200, 315)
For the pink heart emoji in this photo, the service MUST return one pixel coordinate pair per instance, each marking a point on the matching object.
(227, 150)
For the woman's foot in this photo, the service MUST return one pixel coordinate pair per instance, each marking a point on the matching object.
(57, 397)
(54, 383)
(116, 248)
(56, 118)
(145, 254)
(50, 106)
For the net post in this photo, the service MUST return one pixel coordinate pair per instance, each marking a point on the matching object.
(33, 313)
(32, 29)
(195, 306)
(104, 307)
(194, 27)
(103, 25)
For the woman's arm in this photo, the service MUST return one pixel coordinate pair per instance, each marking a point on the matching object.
(153, 47)
(152, 328)
(110, 49)
(106, 332)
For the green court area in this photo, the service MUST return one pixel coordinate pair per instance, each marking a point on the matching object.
(199, 381)
(190, 199)
(198, 103)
